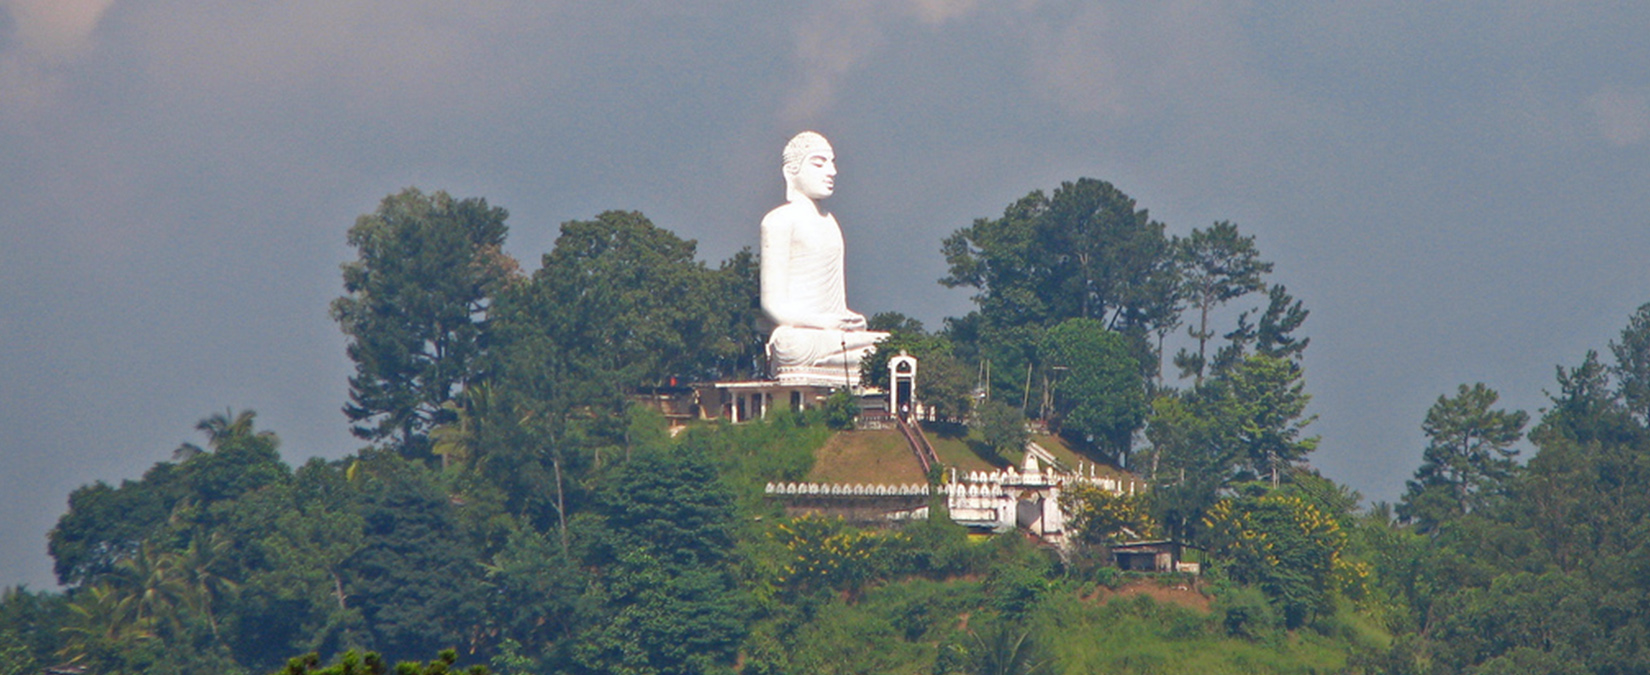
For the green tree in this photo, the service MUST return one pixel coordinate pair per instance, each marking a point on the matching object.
(894, 322)
(1581, 498)
(1587, 408)
(1632, 367)
(946, 384)
(1260, 407)
(1003, 427)
(628, 304)
(534, 589)
(156, 565)
(105, 525)
(512, 445)
(823, 553)
(171, 595)
(1522, 623)
(228, 428)
(415, 579)
(31, 629)
(150, 579)
(1545, 572)
(841, 409)
(301, 598)
(241, 459)
(1084, 252)
(669, 497)
(1188, 463)
(873, 369)
(156, 615)
(1469, 456)
(618, 304)
(1099, 395)
(1400, 588)
(15, 657)
(417, 302)
(738, 344)
(1274, 334)
(662, 599)
(1006, 356)
(1217, 266)
(203, 587)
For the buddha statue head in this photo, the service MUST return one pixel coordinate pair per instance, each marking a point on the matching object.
(809, 167)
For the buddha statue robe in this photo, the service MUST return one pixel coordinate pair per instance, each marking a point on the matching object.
(816, 338)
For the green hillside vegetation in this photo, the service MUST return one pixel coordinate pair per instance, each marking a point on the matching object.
(512, 509)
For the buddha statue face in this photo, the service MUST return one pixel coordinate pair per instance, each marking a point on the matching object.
(810, 166)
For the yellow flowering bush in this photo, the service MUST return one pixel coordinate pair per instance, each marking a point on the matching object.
(1287, 547)
(1099, 516)
(823, 552)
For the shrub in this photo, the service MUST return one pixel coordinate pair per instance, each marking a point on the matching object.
(1245, 612)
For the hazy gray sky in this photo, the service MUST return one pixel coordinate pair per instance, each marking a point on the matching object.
(1458, 191)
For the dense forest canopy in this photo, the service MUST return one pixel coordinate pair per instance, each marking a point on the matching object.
(514, 508)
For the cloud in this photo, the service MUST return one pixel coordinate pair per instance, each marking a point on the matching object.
(415, 48)
(1622, 117)
(835, 39)
(46, 35)
(54, 28)
(940, 11)
(1140, 65)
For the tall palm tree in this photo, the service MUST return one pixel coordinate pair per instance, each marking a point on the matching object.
(231, 426)
(222, 429)
(102, 618)
(151, 581)
(196, 576)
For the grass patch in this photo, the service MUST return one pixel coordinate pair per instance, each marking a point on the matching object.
(878, 457)
(901, 627)
(963, 452)
(1140, 635)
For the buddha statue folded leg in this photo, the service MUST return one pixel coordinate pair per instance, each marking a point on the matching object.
(819, 355)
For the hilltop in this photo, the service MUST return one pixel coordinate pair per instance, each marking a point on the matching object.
(515, 503)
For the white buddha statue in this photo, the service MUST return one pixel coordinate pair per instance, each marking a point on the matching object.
(816, 339)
